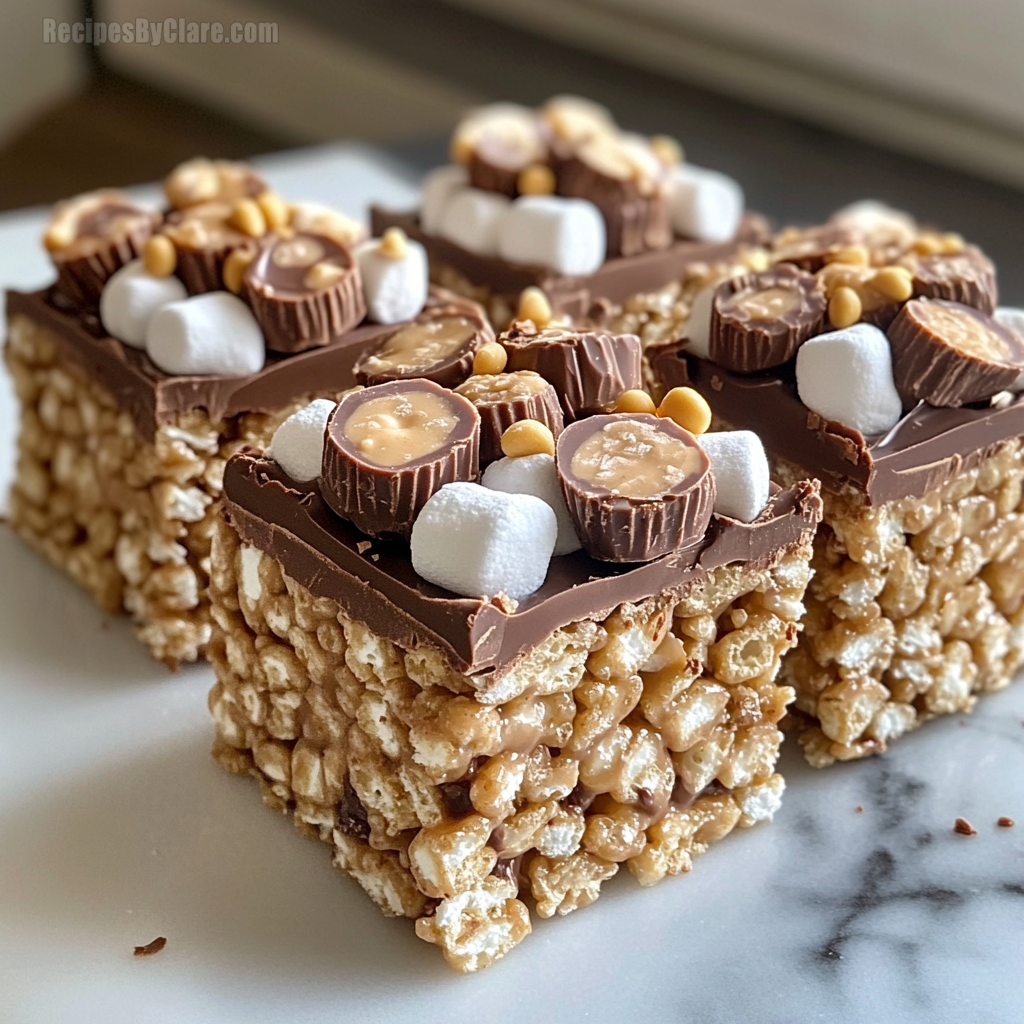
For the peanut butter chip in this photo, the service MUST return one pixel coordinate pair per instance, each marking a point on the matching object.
(768, 304)
(964, 332)
(395, 430)
(300, 251)
(634, 459)
(422, 345)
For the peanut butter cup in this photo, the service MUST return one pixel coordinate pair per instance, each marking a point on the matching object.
(637, 486)
(626, 181)
(967, 277)
(304, 290)
(949, 354)
(438, 345)
(388, 448)
(589, 369)
(92, 236)
(205, 237)
(506, 398)
(759, 320)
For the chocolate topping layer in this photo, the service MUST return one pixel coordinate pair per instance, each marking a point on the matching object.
(292, 524)
(927, 448)
(151, 397)
(616, 280)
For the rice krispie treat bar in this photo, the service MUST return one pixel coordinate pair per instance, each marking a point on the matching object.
(561, 199)
(872, 355)
(489, 696)
(170, 340)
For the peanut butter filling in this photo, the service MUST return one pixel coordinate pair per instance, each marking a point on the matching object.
(420, 346)
(767, 304)
(634, 459)
(300, 251)
(494, 388)
(964, 332)
(82, 226)
(394, 430)
(205, 225)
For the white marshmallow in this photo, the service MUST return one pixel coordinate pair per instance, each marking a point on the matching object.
(395, 289)
(1013, 319)
(872, 215)
(740, 468)
(698, 325)
(536, 475)
(564, 235)
(479, 542)
(847, 376)
(438, 187)
(210, 333)
(704, 204)
(298, 444)
(131, 297)
(472, 219)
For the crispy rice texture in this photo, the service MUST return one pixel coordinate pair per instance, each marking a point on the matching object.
(640, 740)
(129, 520)
(916, 607)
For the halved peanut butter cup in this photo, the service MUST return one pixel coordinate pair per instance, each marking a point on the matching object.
(388, 448)
(304, 290)
(637, 486)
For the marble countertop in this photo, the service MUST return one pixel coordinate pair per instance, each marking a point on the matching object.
(859, 904)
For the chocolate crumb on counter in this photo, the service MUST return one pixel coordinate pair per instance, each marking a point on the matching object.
(1005, 822)
(963, 827)
(151, 948)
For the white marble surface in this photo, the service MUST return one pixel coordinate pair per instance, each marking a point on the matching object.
(117, 827)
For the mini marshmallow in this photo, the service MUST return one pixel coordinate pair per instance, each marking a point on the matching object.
(1013, 319)
(472, 219)
(395, 289)
(705, 205)
(210, 333)
(740, 468)
(479, 542)
(872, 214)
(847, 376)
(536, 475)
(298, 444)
(697, 331)
(131, 297)
(564, 235)
(438, 187)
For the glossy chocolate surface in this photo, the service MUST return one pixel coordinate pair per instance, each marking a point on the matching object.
(376, 583)
(927, 448)
(152, 397)
(616, 280)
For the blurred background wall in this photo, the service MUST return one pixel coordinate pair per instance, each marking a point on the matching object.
(810, 103)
